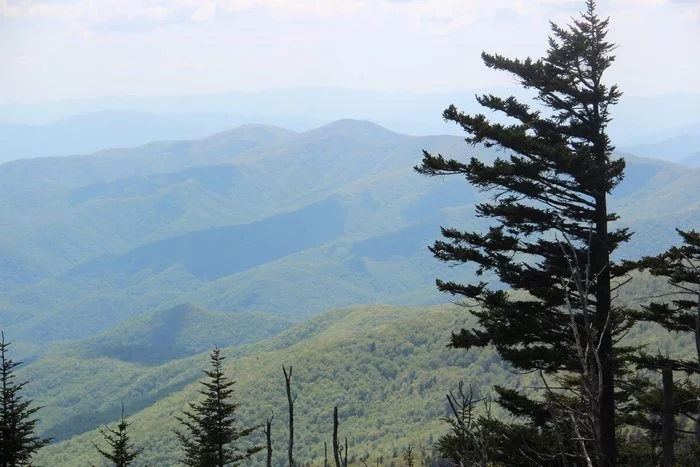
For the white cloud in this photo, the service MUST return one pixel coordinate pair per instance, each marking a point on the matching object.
(9, 10)
(205, 12)
(100, 11)
(116, 47)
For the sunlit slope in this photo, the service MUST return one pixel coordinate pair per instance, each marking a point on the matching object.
(386, 368)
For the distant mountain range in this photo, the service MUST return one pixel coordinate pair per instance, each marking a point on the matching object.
(683, 148)
(91, 132)
(120, 268)
(257, 219)
(84, 126)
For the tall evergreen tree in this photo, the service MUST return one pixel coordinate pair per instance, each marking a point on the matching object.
(121, 452)
(17, 423)
(680, 265)
(680, 315)
(212, 423)
(548, 212)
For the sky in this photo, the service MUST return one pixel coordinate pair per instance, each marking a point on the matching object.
(67, 49)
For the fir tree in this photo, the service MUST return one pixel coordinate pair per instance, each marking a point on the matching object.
(17, 439)
(548, 215)
(212, 423)
(466, 442)
(121, 452)
(680, 315)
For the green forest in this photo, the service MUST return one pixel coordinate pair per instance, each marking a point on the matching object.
(529, 296)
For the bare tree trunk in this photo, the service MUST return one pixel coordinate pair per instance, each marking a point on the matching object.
(667, 423)
(290, 402)
(268, 436)
(697, 427)
(697, 330)
(697, 348)
(345, 460)
(336, 445)
(591, 421)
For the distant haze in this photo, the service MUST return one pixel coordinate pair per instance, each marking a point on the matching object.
(74, 49)
(81, 126)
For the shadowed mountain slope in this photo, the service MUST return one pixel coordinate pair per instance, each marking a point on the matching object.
(257, 219)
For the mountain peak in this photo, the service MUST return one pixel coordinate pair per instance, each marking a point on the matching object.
(360, 129)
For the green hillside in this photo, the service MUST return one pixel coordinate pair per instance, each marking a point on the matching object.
(255, 219)
(386, 368)
(181, 331)
(256, 230)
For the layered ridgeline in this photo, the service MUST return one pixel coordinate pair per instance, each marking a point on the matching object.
(80, 126)
(257, 219)
(257, 229)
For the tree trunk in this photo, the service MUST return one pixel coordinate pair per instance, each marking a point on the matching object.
(290, 402)
(345, 454)
(697, 349)
(667, 423)
(607, 403)
(268, 436)
(697, 330)
(601, 269)
(336, 445)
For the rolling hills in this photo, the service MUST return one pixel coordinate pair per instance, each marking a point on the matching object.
(121, 268)
(255, 219)
(386, 368)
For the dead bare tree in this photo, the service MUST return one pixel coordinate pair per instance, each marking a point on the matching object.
(340, 455)
(336, 445)
(268, 437)
(290, 403)
(576, 410)
(344, 453)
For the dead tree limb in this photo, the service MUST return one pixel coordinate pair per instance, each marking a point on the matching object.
(268, 436)
(290, 403)
(667, 420)
(336, 445)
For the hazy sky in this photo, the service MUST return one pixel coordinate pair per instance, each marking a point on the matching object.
(57, 49)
